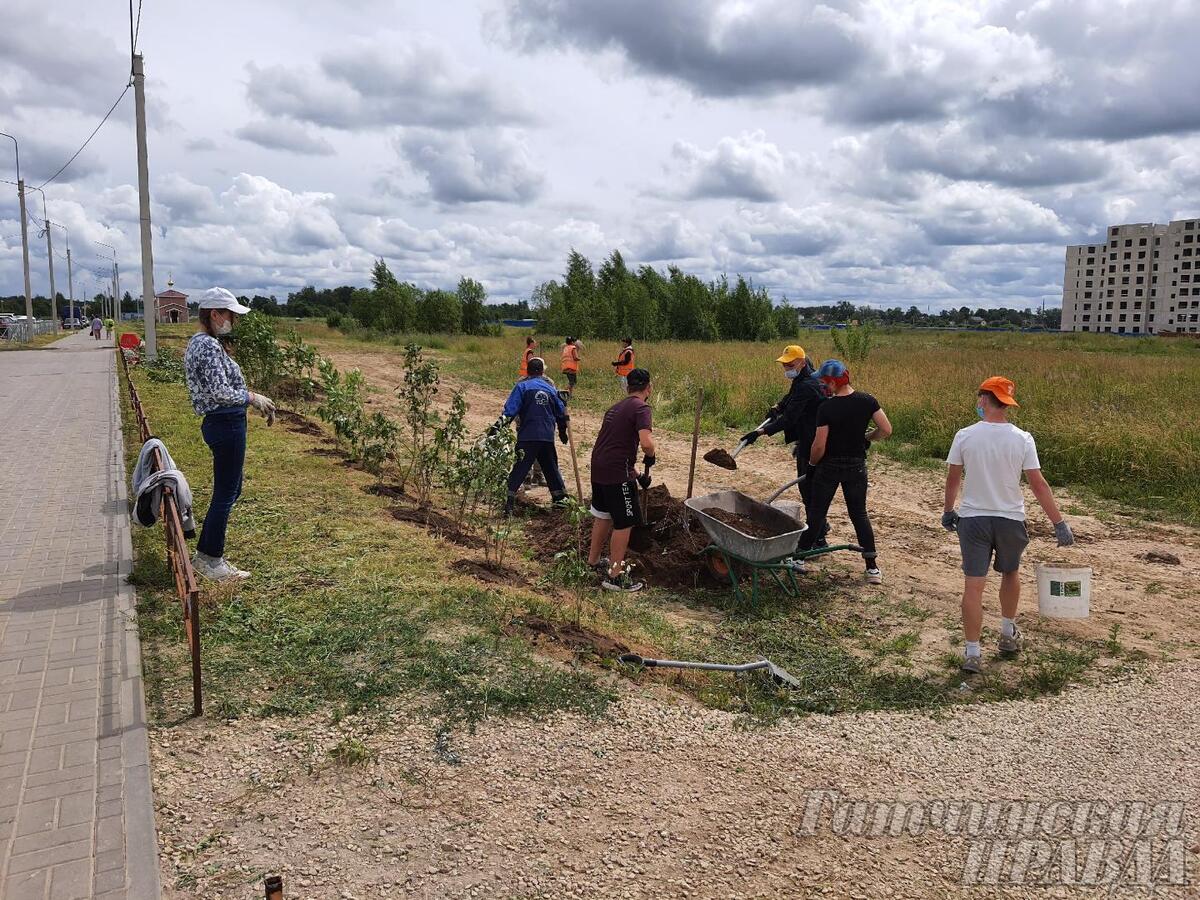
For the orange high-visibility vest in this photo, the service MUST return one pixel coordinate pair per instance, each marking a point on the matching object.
(528, 355)
(626, 365)
(570, 358)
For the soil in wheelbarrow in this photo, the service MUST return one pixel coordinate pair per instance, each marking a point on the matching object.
(745, 524)
(667, 552)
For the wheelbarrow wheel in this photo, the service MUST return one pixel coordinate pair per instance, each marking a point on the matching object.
(717, 567)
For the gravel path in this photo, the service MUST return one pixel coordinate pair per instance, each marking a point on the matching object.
(665, 800)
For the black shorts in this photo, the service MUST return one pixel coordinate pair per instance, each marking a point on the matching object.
(571, 378)
(618, 502)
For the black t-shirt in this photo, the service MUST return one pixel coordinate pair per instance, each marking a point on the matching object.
(847, 418)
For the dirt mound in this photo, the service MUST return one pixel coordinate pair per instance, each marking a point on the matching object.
(489, 572)
(386, 490)
(298, 423)
(436, 522)
(1167, 559)
(667, 551)
(575, 637)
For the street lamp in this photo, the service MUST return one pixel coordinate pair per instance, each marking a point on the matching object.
(24, 230)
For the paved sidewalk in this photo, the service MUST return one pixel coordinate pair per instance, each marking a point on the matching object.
(76, 814)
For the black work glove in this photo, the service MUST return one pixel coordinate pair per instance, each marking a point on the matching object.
(772, 413)
(562, 432)
(501, 422)
(950, 520)
(751, 437)
(644, 480)
(617, 363)
(649, 461)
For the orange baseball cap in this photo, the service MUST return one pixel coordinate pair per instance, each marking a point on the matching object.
(1001, 388)
(791, 353)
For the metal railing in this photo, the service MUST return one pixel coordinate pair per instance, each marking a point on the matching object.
(24, 331)
(178, 560)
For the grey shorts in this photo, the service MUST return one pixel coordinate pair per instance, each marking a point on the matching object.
(981, 536)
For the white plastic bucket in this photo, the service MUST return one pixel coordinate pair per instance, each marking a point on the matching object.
(1064, 593)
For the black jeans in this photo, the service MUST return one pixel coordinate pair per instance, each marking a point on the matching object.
(801, 452)
(225, 434)
(544, 454)
(850, 474)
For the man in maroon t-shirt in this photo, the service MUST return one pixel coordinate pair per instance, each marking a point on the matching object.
(615, 482)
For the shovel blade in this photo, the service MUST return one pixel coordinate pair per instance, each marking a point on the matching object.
(782, 677)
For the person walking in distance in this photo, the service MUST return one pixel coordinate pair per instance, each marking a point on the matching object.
(990, 520)
(97, 324)
(570, 361)
(534, 403)
(530, 352)
(615, 482)
(624, 364)
(796, 416)
(218, 392)
(108, 327)
(838, 458)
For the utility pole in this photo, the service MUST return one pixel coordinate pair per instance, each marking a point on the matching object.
(139, 99)
(24, 230)
(49, 261)
(70, 278)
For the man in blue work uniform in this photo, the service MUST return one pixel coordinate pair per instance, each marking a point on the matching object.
(534, 403)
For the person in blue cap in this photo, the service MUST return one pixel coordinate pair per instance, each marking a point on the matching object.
(839, 459)
(535, 404)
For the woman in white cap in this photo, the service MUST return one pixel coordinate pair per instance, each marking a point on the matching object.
(218, 391)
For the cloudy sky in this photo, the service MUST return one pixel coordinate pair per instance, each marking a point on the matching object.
(936, 152)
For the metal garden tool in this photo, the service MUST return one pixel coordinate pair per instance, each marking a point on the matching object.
(778, 675)
(718, 457)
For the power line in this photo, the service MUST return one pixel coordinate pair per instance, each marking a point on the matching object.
(90, 136)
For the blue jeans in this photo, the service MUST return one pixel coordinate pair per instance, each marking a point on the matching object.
(225, 434)
(543, 453)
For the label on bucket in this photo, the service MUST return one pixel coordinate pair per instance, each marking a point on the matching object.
(1066, 588)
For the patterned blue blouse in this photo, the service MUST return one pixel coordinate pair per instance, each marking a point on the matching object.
(214, 378)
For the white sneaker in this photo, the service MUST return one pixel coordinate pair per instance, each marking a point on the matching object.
(873, 576)
(216, 569)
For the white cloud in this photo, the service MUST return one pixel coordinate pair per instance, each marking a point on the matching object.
(472, 166)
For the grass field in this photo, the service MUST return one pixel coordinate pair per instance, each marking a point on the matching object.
(37, 342)
(352, 610)
(1118, 416)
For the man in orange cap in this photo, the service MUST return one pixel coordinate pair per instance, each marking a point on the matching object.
(990, 521)
(796, 416)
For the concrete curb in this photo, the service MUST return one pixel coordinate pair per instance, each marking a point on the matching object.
(141, 839)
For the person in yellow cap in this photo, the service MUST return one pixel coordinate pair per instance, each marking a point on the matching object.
(990, 521)
(796, 416)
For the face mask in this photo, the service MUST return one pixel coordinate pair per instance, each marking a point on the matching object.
(979, 411)
(791, 373)
(224, 327)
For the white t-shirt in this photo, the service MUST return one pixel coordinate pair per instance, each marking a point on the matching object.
(994, 455)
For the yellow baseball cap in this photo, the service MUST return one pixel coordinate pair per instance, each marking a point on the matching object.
(791, 353)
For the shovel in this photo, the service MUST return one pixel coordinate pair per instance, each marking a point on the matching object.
(719, 457)
(778, 675)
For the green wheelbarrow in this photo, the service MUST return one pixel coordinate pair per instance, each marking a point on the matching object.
(776, 556)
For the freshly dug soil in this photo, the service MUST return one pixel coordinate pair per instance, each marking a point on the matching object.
(298, 423)
(744, 524)
(719, 457)
(436, 522)
(489, 572)
(576, 637)
(667, 552)
(386, 490)
(1167, 559)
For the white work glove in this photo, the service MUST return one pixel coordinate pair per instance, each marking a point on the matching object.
(264, 405)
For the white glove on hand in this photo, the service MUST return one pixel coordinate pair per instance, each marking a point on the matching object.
(264, 405)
